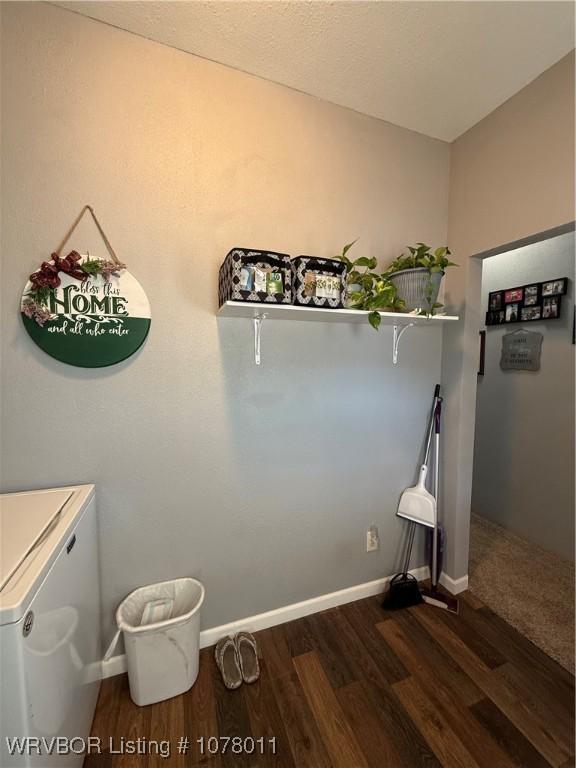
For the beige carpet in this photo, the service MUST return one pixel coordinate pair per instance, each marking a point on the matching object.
(530, 588)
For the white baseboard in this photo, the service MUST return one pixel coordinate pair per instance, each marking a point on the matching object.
(117, 664)
(455, 586)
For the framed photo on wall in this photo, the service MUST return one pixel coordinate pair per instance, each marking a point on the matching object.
(495, 301)
(495, 318)
(555, 287)
(512, 313)
(551, 307)
(527, 303)
(530, 313)
(531, 295)
(513, 294)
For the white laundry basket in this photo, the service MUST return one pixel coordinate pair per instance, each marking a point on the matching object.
(161, 626)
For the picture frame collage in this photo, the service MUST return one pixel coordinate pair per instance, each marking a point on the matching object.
(527, 303)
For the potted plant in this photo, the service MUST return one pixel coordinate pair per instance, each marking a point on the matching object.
(367, 289)
(417, 276)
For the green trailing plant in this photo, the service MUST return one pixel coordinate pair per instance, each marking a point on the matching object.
(421, 256)
(374, 291)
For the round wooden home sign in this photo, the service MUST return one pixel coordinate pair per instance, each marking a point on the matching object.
(86, 311)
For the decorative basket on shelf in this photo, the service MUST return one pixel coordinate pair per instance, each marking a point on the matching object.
(255, 276)
(318, 282)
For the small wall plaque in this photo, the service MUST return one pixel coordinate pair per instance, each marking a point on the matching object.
(521, 351)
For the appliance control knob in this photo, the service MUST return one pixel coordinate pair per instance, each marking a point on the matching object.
(28, 623)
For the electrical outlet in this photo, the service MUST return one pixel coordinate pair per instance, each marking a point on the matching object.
(372, 539)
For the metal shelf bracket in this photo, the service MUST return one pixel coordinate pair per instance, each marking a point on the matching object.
(257, 322)
(259, 318)
(398, 331)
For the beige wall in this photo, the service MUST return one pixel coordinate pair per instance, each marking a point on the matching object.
(512, 177)
(206, 465)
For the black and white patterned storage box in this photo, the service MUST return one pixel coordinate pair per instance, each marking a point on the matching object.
(232, 284)
(318, 282)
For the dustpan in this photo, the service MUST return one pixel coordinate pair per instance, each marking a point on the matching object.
(417, 504)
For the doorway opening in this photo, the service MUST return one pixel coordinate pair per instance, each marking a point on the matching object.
(522, 526)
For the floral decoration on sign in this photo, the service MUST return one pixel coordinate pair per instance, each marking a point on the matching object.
(35, 303)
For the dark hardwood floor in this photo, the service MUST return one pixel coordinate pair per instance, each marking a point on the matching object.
(355, 687)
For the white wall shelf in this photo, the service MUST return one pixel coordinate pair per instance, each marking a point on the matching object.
(258, 312)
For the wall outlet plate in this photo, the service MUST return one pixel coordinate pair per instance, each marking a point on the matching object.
(372, 539)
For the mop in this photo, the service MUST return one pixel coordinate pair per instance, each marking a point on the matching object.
(432, 596)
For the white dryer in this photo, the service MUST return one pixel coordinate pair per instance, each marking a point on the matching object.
(50, 648)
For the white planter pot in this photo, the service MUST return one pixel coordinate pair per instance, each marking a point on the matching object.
(418, 288)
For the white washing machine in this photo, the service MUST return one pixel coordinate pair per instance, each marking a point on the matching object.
(50, 648)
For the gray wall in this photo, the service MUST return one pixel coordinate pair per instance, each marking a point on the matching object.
(524, 446)
(259, 481)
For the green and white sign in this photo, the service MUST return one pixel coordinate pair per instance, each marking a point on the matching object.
(86, 312)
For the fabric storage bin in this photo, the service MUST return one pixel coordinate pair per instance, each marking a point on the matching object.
(240, 262)
(308, 287)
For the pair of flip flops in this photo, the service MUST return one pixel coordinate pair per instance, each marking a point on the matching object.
(237, 659)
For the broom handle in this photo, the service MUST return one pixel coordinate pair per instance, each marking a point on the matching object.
(431, 423)
(431, 429)
(409, 544)
(437, 415)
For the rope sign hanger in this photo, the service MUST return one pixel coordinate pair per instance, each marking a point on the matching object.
(77, 221)
(85, 311)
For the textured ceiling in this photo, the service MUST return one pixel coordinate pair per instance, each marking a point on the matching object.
(434, 67)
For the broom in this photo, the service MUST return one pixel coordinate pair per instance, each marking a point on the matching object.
(403, 590)
(417, 506)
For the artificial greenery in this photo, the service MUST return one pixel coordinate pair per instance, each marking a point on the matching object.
(422, 256)
(92, 266)
(40, 294)
(376, 293)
